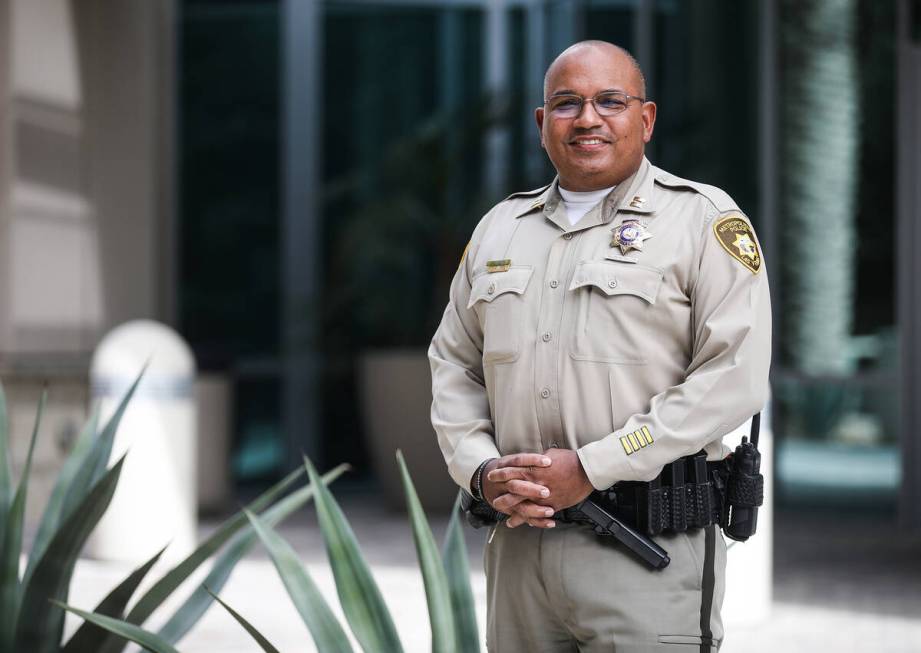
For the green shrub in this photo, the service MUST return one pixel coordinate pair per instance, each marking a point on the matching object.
(446, 577)
(31, 614)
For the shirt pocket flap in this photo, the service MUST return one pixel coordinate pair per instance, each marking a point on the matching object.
(490, 285)
(618, 279)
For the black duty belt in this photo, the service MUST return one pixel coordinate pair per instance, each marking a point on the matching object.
(690, 493)
(683, 496)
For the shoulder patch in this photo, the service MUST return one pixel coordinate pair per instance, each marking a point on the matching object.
(717, 196)
(528, 193)
(738, 239)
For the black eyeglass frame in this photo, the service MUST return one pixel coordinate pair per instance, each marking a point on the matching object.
(594, 100)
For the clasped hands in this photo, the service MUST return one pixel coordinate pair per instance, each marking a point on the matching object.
(530, 487)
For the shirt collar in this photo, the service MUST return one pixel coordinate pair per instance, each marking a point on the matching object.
(636, 194)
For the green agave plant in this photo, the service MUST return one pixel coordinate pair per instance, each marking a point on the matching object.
(31, 614)
(445, 574)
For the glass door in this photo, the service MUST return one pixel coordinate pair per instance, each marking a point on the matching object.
(836, 386)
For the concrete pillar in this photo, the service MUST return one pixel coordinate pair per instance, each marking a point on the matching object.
(86, 170)
(126, 55)
(6, 164)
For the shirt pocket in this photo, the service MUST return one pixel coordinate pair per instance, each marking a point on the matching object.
(498, 299)
(614, 303)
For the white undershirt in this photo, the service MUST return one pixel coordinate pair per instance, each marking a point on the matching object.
(578, 204)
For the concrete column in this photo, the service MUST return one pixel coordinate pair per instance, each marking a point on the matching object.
(91, 195)
(6, 168)
(126, 62)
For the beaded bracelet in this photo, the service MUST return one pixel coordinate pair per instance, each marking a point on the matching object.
(477, 485)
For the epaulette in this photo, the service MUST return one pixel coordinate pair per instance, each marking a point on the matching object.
(718, 197)
(528, 193)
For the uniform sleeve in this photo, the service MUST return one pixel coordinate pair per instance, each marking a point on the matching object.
(727, 379)
(460, 406)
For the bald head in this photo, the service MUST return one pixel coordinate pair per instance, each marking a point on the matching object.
(616, 52)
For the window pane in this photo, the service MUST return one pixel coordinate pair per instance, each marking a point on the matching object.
(837, 395)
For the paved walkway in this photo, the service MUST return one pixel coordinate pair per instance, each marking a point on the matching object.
(842, 586)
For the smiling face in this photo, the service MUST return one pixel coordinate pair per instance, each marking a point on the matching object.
(589, 151)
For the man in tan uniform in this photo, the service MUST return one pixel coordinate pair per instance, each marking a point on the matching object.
(587, 345)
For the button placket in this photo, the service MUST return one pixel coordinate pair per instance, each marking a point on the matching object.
(546, 376)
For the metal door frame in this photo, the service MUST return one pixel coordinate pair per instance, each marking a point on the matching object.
(908, 207)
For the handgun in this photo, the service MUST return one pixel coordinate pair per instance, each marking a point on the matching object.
(605, 523)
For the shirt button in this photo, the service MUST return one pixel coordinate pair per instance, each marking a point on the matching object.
(491, 289)
(554, 445)
(554, 283)
(546, 337)
(545, 393)
(567, 236)
(612, 284)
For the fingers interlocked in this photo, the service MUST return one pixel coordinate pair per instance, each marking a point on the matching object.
(518, 493)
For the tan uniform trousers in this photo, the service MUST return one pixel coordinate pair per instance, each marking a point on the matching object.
(568, 589)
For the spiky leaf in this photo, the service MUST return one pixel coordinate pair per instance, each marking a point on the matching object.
(457, 570)
(39, 628)
(437, 594)
(90, 636)
(11, 546)
(6, 474)
(123, 629)
(63, 488)
(95, 462)
(188, 614)
(310, 604)
(359, 595)
(255, 634)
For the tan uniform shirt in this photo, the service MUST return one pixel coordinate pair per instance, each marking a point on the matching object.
(555, 338)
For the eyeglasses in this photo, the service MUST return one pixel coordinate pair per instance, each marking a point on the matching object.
(608, 103)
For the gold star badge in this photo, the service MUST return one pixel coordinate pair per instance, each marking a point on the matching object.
(630, 235)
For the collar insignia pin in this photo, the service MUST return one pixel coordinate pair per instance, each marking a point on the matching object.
(637, 202)
(630, 235)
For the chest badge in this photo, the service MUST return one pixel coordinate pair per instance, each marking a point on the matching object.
(630, 235)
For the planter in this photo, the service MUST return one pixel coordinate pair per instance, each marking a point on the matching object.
(396, 400)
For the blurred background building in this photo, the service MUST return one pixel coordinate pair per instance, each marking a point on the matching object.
(290, 185)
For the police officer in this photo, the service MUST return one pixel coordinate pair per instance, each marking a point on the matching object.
(597, 329)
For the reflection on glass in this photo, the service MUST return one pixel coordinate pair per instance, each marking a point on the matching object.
(835, 389)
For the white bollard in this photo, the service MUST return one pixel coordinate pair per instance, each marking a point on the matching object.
(155, 502)
(749, 567)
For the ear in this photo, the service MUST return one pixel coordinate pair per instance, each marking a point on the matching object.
(539, 119)
(649, 120)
